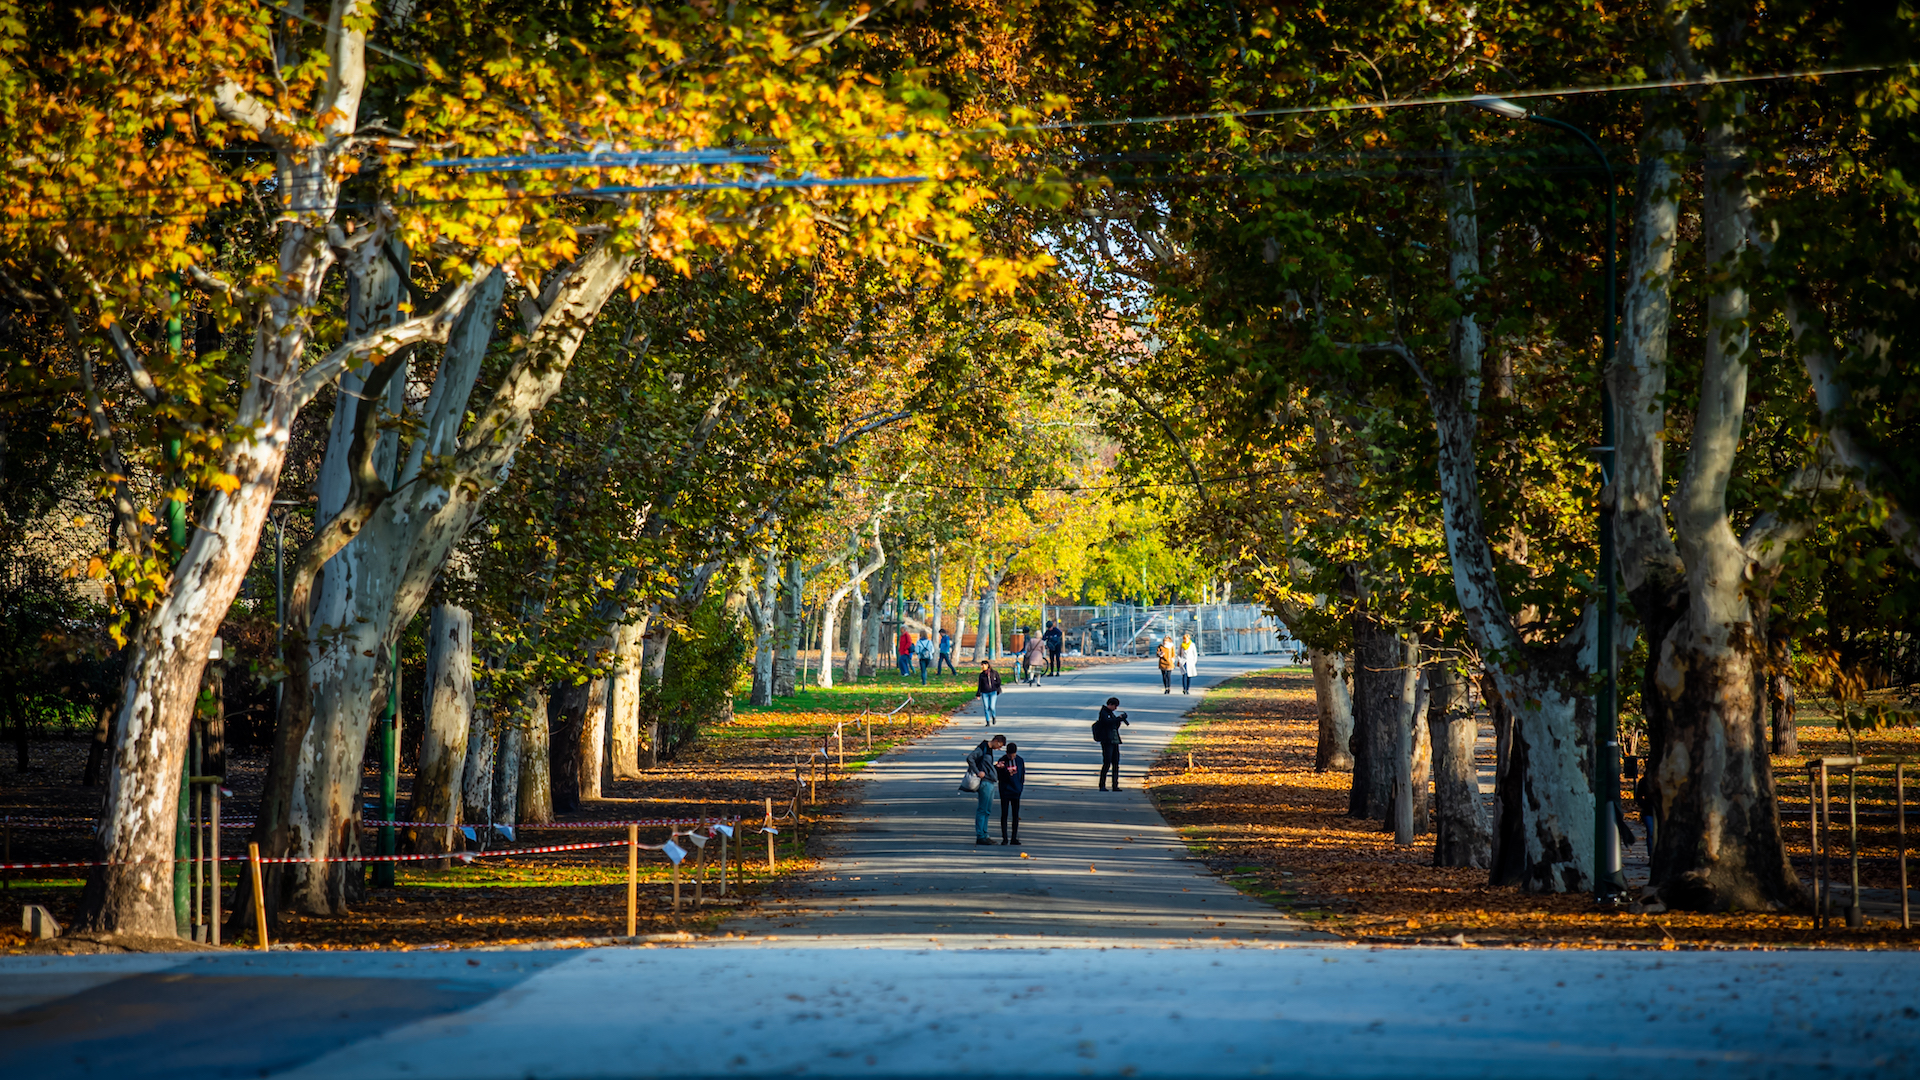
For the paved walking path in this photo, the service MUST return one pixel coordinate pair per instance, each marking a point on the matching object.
(1093, 867)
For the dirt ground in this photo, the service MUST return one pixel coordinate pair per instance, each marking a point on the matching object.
(1253, 806)
(732, 769)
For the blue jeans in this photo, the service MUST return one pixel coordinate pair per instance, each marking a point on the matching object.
(989, 705)
(905, 659)
(983, 811)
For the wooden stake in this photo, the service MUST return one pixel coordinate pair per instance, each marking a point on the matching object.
(840, 744)
(214, 844)
(676, 885)
(723, 863)
(633, 875)
(769, 836)
(1189, 761)
(259, 894)
(700, 877)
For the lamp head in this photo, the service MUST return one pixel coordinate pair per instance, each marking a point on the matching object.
(1498, 105)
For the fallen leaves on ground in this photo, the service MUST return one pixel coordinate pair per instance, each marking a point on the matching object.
(1256, 810)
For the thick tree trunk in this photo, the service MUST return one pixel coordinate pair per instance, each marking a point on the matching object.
(761, 612)
(857, 630)
(1380, 696)
(535, 803)
(446, 717)
(786, 662)
(507, 757)
(874, 628)
(476, 787)
(593, 741)
(134, 893)
(1786, 731)
(566, 723)
(1460, 834)
(1551, 847)
(623, 690)
(1719, 845)
(348, 635)
(1406, 813)
(1335, 703)
(1650, 566)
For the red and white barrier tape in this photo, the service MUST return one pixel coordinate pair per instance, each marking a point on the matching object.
(374, 823)
(463, 856)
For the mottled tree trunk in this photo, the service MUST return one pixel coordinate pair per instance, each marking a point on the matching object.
(1404, 807)
(446, 717)
(535, 801)
(507, 757)
(623, 692)
(761, 615)
(1719, 845)
(476, 787)
(786, 663)
(1546, 842)
(1335, 703)
(1460, 834)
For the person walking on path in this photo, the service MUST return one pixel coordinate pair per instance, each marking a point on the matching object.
(988, 690)
(980, 764)
(1189, 663)
(906, 653)
(1167, 658)
(1036, 658)
(1056, 640)
(1106, 732)
(1012, 770)
(946, 654)
(923, 656)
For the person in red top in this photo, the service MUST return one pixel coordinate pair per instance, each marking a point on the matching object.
(906, 653)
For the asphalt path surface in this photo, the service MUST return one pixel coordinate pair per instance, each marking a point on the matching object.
(1104, 955)
(1093, 867)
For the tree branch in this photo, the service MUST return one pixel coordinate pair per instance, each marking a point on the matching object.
(432, 327)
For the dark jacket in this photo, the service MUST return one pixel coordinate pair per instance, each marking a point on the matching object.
(981, 762)
(1012, 771)
(1107, 728)
(1055, 639)
(989, 682)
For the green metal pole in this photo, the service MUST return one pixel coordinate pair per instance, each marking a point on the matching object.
(1609, 880)
(389, 771)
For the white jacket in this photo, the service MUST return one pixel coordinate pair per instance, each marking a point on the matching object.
(1190, 659)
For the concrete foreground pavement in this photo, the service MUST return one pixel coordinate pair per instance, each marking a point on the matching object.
(1094, 867)
(1214, 1011)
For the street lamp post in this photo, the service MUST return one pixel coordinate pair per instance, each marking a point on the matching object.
(1609, 882)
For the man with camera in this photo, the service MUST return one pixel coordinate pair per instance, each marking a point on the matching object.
(1106, 732)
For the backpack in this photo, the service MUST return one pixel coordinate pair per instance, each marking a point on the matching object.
(1096, 732)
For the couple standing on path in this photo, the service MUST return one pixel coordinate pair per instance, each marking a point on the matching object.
(1008, 776)
(1186, 658)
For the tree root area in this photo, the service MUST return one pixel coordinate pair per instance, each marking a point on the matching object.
(1254, 808)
